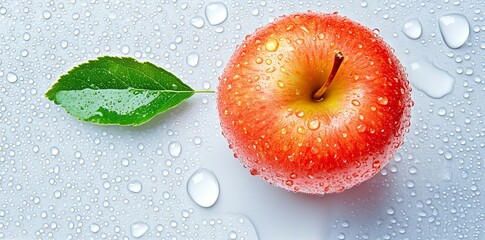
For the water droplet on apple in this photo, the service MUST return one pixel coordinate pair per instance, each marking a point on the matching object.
(314, 125)
(455, 29)
(361, 128)
(197, 22)
(272, 45)
(280, 83)
(382, 100)
(270, 69)
(138, 229)
(412, 28)
(355, 102)
(283, 131)
(259, 60)
(203, 187)
(433, 81)
(289, 183)
(376, 165)
(254, 172)
(216, 13)
(301, 130)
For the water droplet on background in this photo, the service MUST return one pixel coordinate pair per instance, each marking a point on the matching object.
(216, 13)
(455, 29)
(412, 28)
(203, 187)
(174, 148)
(193, 59)
(46, 14)
(135, 186)
(12, 77)
(138, 229)
(197, 22)
(94, 227)
(433, 81)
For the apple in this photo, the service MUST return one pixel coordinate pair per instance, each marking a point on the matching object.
(314, 103)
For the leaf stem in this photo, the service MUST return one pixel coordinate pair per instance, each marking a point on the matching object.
(204, 91)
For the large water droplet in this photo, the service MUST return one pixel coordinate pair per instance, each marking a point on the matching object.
(193, 59)
(455, 29)
(138, 229)
(216, 13)
(135, 186)
(12, 77)
(174, 148)
(412, 28)
(203, 187)
(433, 81)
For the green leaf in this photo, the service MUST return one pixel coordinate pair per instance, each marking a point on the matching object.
(114, 90)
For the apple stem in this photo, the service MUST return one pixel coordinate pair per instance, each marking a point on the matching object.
(339, 58)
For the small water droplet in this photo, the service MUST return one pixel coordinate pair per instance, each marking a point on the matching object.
(54, 151)
(433, 81)
(46, 14)
(272, 45)
(203, 187)
(125, 49)
(363, 4)
(441, 111)
(135, 186)
(138, 229)
(94, 227)
(289, 183)
(314, 125)
(455, 29)
(12, 77)
(216, 13)
(390, 211)
(412, 28)
(382, 100)
(232, 235)
(174, 148)
(193, 59)
(197, 22)
(64, 44)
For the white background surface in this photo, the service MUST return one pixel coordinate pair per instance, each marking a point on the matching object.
(60, 178)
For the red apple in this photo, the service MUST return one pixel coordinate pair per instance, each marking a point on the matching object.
(314, 103)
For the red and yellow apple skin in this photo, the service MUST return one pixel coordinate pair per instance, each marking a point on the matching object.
(277, 129)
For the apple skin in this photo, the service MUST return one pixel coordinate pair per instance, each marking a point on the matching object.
(277, 129)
